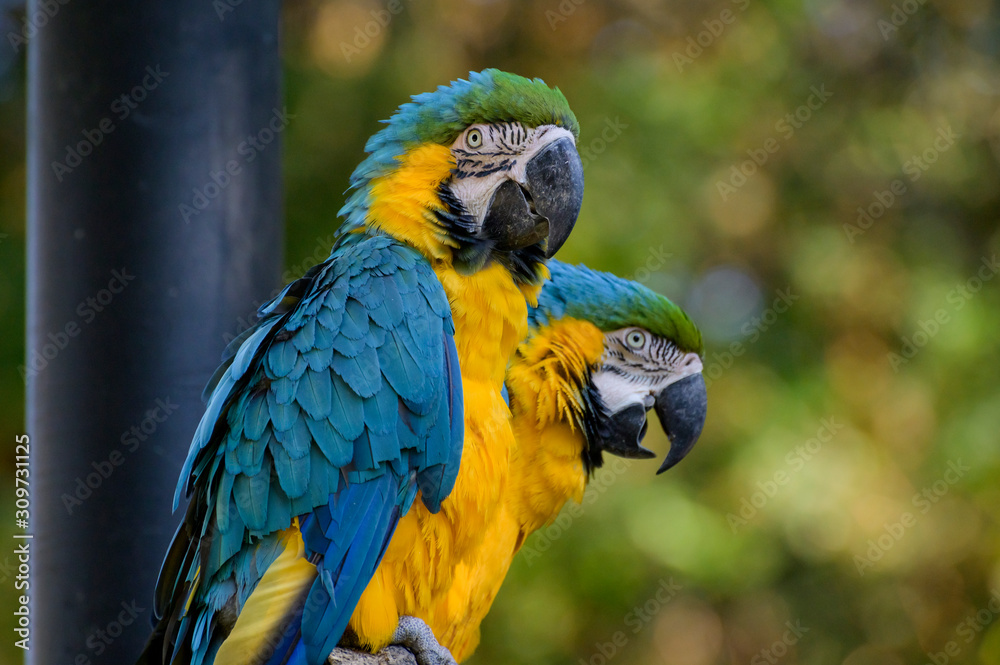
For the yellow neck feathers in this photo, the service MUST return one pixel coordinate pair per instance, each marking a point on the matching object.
(403, 202)
(545, 378)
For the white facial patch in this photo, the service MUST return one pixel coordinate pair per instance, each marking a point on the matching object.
(618, 392)
(631, 375)
(502, 152)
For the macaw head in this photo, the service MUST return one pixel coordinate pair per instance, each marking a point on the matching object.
(637, 351)
(480, 170)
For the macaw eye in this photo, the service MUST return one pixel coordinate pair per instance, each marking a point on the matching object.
(474, 138)
(636, 339)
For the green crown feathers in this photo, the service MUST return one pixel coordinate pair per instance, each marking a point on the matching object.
(611, 303)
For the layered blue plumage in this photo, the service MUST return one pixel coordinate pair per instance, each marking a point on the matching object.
(336, 408)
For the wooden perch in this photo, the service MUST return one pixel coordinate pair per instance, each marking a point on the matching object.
(392, 655)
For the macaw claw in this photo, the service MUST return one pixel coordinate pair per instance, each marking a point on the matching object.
(417, 636)
(412, 641)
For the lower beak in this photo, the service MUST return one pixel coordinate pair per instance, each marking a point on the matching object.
(681, 407)
(545, 208)
(624, 432)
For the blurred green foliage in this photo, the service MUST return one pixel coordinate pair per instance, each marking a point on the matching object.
(729, 147)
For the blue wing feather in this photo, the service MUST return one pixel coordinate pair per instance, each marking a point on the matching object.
(283, 415)
(437, 481)
(314, 393)
(361, 372)
(369, 512)
(351, 373)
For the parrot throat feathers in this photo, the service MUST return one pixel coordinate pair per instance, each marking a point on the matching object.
(490, 314)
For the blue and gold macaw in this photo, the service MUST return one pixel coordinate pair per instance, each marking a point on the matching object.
(373, 380)
(601, 353)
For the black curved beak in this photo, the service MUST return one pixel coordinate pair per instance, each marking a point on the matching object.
(681, 407)
(545, 207)
(624, 432)
(555, 182)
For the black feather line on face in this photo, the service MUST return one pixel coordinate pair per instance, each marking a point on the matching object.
(596, 417)
(504, 165)
(475, 252)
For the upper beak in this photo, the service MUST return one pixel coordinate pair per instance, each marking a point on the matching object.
(545, 207)
(681, 407)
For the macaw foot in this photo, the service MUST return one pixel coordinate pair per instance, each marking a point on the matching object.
(417, 636)
(412, 643)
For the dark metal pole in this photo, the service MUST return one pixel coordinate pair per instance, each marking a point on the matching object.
(154, 205)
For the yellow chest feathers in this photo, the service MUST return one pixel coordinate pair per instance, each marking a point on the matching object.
(545, 383)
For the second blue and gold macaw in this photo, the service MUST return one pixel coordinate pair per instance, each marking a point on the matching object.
(374, 379)
(602, 352)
